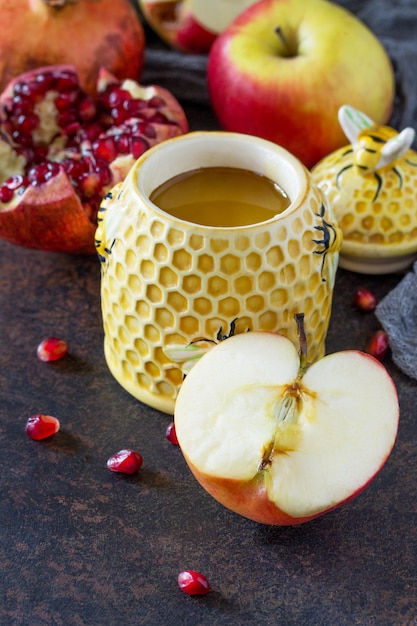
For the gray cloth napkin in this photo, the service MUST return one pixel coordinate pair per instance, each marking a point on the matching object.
(397, 313)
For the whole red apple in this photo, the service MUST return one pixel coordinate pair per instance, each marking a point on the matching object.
(279, 442)
(191, 25)
(283, 68)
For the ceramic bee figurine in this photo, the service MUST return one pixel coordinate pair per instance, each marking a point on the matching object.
(371, 185)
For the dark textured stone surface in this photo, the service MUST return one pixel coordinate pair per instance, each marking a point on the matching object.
(80, 546)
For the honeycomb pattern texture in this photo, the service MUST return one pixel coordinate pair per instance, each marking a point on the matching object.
(166, 282)
(377, 212)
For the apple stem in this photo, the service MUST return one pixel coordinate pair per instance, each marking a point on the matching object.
(287, 50)
(302, 339)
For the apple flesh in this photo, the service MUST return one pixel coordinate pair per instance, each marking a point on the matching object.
(275, 444)
(191, 25)
(283, 68)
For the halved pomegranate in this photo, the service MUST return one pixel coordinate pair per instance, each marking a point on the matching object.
(61, 151)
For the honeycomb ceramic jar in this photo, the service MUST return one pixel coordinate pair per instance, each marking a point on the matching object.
(171, 289)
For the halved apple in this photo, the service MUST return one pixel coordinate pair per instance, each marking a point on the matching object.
(281, 443)
(191, 25)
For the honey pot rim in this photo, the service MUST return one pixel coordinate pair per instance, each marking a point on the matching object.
(140, 174)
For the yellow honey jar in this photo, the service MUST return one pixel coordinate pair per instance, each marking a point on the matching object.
(171, 287)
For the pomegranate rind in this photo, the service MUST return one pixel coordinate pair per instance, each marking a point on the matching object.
(108, 34)
(55, 221)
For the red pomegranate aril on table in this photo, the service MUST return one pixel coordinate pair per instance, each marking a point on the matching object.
(378, 345)
(52, 349)
(193, 583)
(364, 300)
(125, 461)
(41, 426)
(171, 434)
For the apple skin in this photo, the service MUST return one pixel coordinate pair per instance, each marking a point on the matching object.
(251, 500)
(332, 59)
(210, 417)
(177, 25)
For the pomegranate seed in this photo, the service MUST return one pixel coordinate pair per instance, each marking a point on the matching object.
(193, 582)
(364, 300)
(144, 128)
(21, 139)
(43, 172)
(33, 154)
(75, 167)
(65, 81)
(72, 128)
(158, 118)
(125, 461)
(46, 80)
(119, 115)
(21, 106)
(156, 102)
(27, 123)
(378, 345)
(91, 132)
(103, 170)
(134, 107)
(18, 88)
(150, 132)
(41, 426)
(65, 118)
(117, 97)
(6, 194)
(123, 143)
(105, 148)
(87, 109)
(138, 146)
(171, 434)
(66, 100)
(15, 181)
(51, 349)
(89, 184)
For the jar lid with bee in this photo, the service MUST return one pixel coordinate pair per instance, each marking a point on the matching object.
(371, 185)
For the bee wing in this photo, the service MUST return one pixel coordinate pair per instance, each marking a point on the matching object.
(353, 122)
(396, 147)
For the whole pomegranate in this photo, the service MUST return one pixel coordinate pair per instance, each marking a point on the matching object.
(88, 34)
(62, 150)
